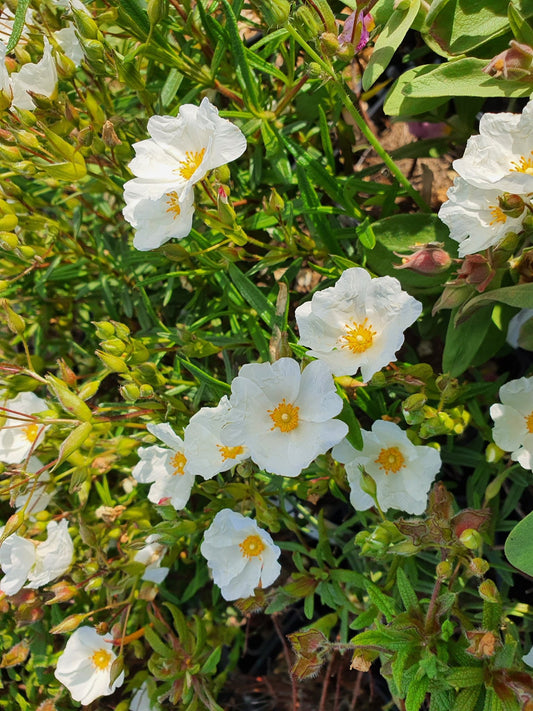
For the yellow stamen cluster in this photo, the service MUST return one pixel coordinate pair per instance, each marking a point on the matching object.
(178, 461)
(31, 432)
(358, 337)
(252, 546)
(498, 215)
(391, 460)
(229, 452)
(284, 416)
(529, 423)
(173, 204)
(191, 163)
(524, 165)
(101, 659)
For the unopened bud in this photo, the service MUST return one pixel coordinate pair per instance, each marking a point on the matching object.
(112, 362)
(114, 346)
(8, 240)
(146, 391)
(471, 539)
(86, 26)
(70, 623)
(429, 259)
(329, 43)
(13, 524)
(14, 321)
(273, 12)
(308, 22)
(10, 153)
(479, 567)
(63, 592)
(8, 222)
(225, 211)
(157, 10)
(104, 329)
(130, 391)
(109, 136)
(444, 570)
(368, 485)
(515, 63)
(85, 136)
(511, 204)
(275, 203)
(489, 591)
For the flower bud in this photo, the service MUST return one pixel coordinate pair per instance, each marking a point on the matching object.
(14, 321)
(157, 10)
(308, 22)
(471, 539)
(273, 12)
(328, 18)
(88, 390)
(8, 222)
(109, 136)
(226, 213)
(489, 591)
(130, 391)
(10, 153)
(275, 203)
(13, 523)
(512, 205)
(146, 391)
(104, 329)
(453, 295)
(493, 453)
(515, 63)
(114, 346)
(444, 569)
(368, 485)
(479, 567)
(329, 43)
(112, 362)
(86, 26)
(429, 259)
(85, 136)
(70, 623)
(477, 270)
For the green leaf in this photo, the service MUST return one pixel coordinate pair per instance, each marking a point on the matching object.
(203, 377)
(156, 643)
(520, 296)
(383, 602)
(406, 590)
(424, 88)
(136, 14)
(454, 28)
(245, 77)
(416, 693)
(522, 31)
(461, 677)
(388, 42)
(519, 545)
(252, 295)
(466, 699)
(211, 663)
(18, 24)
(463, 342)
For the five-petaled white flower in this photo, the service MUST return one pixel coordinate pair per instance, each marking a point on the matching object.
(403, 472)
(166, 469)
(284, 416)
(20, 433)
(203, 438)
(37, 562)
(180, 151)
(85, 666)
(497, 167)
(151, 556)
(513, 420)
(39, 77)
(241, 555)
(357, 323)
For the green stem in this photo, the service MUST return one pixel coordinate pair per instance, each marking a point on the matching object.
(360, 122)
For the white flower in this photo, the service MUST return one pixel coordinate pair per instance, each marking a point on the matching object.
(165, 469)
(40, 78)
(283, 416)
(20, 434)
(179, 153)
(501, 156)
(241, 555)
(35, 493)
(85, 666)
(357, 323)
(39, 562)
(513, 420)
(514, 329)
(528, 658)
(403, 472)
(475, 218)
(141, 700)
(151, 556)
(157, 221)
(69, 43)
(203, 438)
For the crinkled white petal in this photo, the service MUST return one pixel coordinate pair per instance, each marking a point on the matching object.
(69, 43)
(16, 440)
(206, 453)
(54, 556)
(474, 219)
(515, 326)
(40, 78)
(166, 434)
(36, 493)
(76, 670)
(17, 557)
(174, 489)
(157, 220)
(258, 392)
(154, 462)
(356, 300)
(235, 573)
(151, 556)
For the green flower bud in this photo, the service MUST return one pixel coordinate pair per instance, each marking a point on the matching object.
(471, 539)
(8, 240)
(14, 321)
(308, 23)
(273, 12)
(112, 362)
(130, 391)
(489, 591)
(114, 346)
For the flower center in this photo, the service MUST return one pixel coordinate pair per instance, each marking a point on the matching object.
(524, 165)
(252, 546)
(191, 163)
(31, 432)
(391, 460)
(101, 659)
(284, 416)
(178, 461)
(529, 423)
(173, 204)
(229, 452)
(358, 337)
(498, 215)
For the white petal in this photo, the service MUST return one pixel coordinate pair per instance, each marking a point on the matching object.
(40, 78)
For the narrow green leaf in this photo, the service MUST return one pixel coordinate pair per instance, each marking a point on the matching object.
(520, 295)
(156, 643)
(211, 663)
(252, 295)
(466, 699)
(204, 377)
(461, 677)
(318, 224)
(416, 693)
(137, 14)
(406, 590)
(245, 77)
(388, 42)
(522, 31)
(347, 415)
(18, 24)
